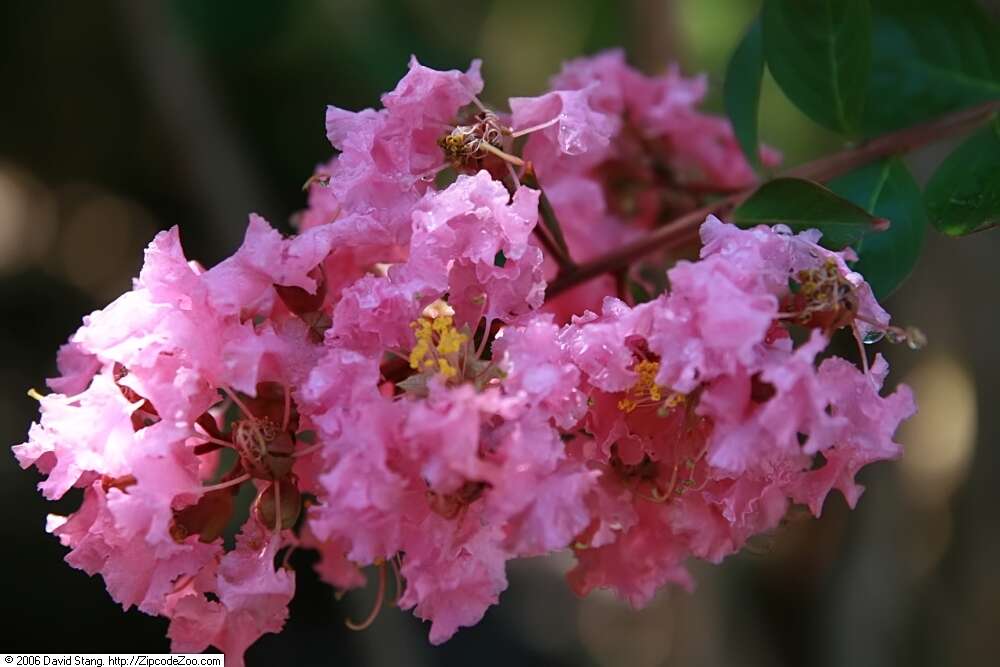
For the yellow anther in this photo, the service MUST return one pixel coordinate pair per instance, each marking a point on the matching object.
(647, 368)
(438, 343)
(419, 352)
(645, 389)
(446, 369)
(675, 399)
(442, 323)
(627, 405)
(33, 393)
(451, 341)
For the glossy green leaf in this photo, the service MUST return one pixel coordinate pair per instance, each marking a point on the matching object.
(803, 204)
(741, 91)
(929, 57)
(886, 189)
(819, 52)
(963, 195)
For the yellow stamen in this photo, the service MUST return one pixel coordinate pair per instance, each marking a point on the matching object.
(645, 390)
(438, 346)
(675, 399)
(626, 405)
(446, 369)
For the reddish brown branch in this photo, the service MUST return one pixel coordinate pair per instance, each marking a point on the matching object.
(552, 236)
(552, 249)
(684, 229)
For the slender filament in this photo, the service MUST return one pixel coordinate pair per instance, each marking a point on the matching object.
(240, 404)
(225, 485)
(379, 596)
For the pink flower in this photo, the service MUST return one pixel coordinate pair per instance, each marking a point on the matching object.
(773, 255)
(251, 600)
(723, 306)
(458, 236)
(759, 412)
(76, 368)
(704, 420)
(89, 433)
(388, 158)
(637, 564)
(608, 69)
(265, 259)
(451, 579)
(598, 344)
(566, 123)
(698, 147)
(459, 482)
(395, 391)
(140, 431)
(333, 567)
(538, 367)
(868, 424)
(618, 152)
(119, 536)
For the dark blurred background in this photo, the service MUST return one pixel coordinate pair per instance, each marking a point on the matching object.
(118, 119)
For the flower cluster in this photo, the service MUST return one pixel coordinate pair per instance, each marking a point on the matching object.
(393, 390)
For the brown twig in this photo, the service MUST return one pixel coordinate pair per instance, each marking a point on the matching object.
(552, 249)
(685, 228)
(547, 232)
(553, 230)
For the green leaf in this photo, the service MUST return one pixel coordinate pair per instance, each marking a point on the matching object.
(929, 57)
(886, 189)
(803, 204)
(742, 91)
(819, 52)
(963, 195)
(499, 259)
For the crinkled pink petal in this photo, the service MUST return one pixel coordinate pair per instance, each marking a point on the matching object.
(90, 432)
(244, 281)
(642, 559)
(597, 344)
(571, 127)
(77, 368)
(538, 366)
(557, 512)
(451, 582)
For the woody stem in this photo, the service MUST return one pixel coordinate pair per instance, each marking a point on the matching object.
(551, 240)
(551, 223)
